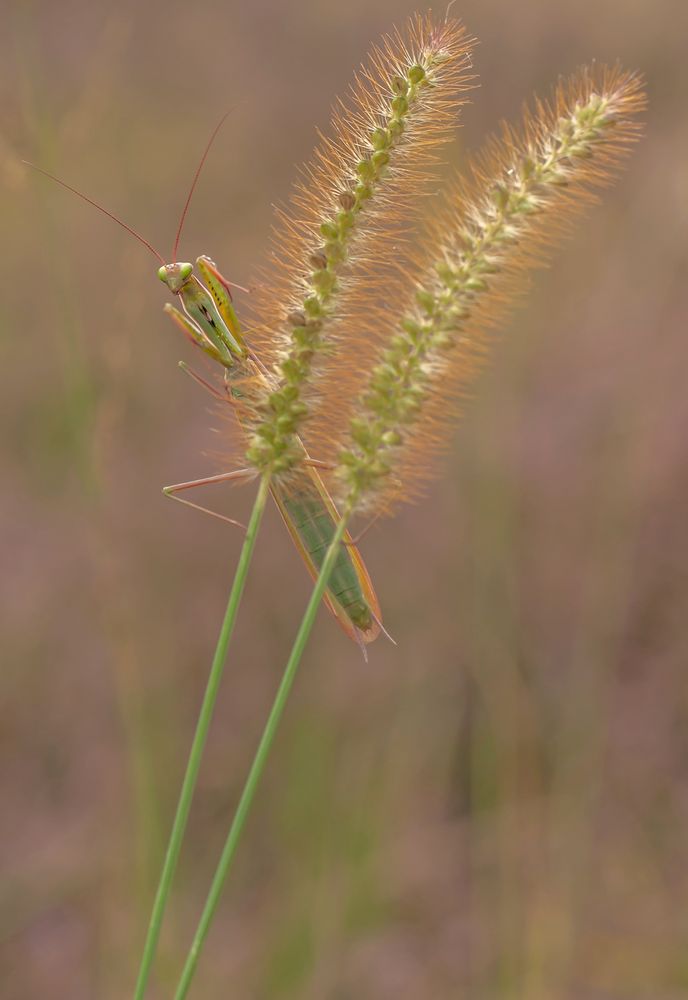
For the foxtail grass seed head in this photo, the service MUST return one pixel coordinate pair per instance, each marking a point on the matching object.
(517, 202)
(403, 105)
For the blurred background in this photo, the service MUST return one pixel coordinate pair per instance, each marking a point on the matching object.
(496, 807)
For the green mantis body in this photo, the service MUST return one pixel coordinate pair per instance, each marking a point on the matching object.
(210, 322)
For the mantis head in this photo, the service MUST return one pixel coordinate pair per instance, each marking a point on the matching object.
(175, 276)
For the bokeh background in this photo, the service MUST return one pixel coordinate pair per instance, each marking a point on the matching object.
(497, 807)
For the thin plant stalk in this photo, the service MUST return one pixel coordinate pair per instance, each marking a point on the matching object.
(198, 744)
(258, 766)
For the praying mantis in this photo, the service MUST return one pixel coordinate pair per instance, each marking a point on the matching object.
(209, 321)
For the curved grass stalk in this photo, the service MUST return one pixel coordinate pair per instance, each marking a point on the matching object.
(258, 766)
(199, 740)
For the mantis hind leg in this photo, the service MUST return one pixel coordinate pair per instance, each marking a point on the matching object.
(364, 531)
(238, 475)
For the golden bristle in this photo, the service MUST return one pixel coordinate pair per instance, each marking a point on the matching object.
(424, 346)
(363, 180)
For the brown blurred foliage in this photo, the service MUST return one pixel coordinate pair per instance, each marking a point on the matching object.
(498, 806)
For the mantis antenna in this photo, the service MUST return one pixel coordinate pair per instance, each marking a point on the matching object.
(100, 208)
(130, 229)
(194, 182)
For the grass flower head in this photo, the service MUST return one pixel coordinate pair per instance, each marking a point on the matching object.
(516, 203)
(402, 107)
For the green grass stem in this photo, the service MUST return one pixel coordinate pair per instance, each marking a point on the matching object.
(258, 765)
(198, 744)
